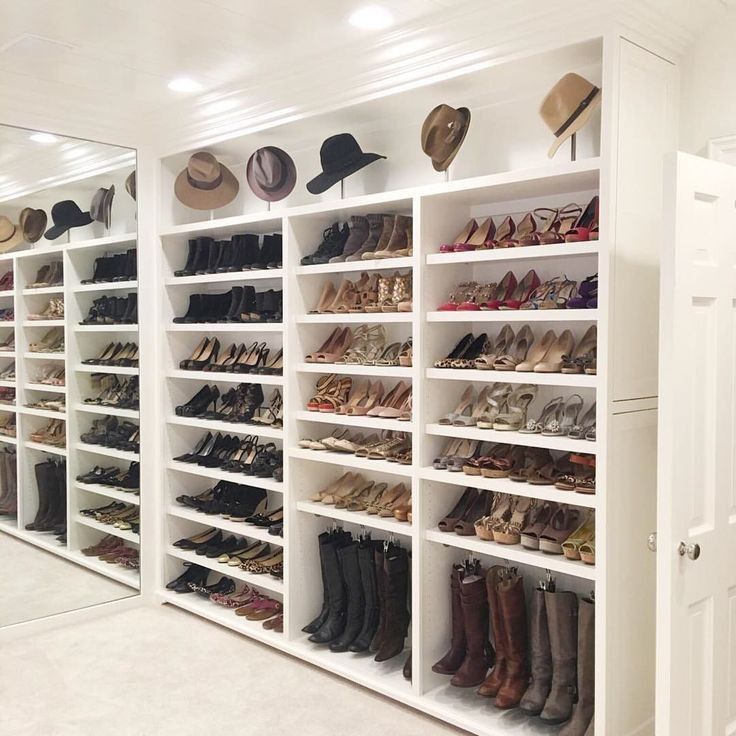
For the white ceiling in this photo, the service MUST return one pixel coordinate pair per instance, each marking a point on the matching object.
(100, 68)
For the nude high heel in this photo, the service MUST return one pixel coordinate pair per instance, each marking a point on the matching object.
(326, 298)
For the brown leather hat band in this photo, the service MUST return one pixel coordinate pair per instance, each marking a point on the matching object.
(206, 185)
(12, 235)
(578, 111)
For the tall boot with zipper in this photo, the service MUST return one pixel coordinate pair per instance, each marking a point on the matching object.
(348, 556)
(396, 621)
(334, 624)
(582, 720)
(44, 497)
(450, 663)
(541, 658)
(513, 611)
(317, 622)
(492, 684)
(59, 520)
(371, 610)
(378, 560)
(562, 617)
(474, 602)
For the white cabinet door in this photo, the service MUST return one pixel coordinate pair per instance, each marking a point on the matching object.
(696, 546)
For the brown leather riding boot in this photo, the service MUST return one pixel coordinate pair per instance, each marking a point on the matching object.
(582, 719)
(474, 601)
(492, 684)
(450, 663)
(541, 658)
(562, 617)
(513, 610)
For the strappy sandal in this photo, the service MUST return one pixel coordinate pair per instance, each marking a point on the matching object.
(582, 535)
(501, 466)
(534, 457)
(577, 361)
(562, 524)
(390, 355)
(501, 345)
(500, 511)
(368, 344)
(549, 217)
(465, 403)
(509, 532)
(405, 353)
(517, 403)
(565, 417)
(367, 497)
(442, 460)
(538, 522)
(495, 403)
(549, 412)
(476, 465)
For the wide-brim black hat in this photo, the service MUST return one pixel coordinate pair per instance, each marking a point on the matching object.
(66, 215)
(340, 156)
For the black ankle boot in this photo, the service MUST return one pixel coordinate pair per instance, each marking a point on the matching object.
(236, 299)
(188, 269)
(201, 257)
(251, 252)
(194, 312)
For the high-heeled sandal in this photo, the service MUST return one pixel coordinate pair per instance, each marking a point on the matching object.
(517, 353)
(517, 404)
(582, 535)
(564, 418)
(586, 228)
(580, 358)
(509, 532)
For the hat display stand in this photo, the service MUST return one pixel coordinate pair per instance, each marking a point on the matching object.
(574, 147)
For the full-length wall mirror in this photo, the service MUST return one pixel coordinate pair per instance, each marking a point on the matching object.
(69, 406)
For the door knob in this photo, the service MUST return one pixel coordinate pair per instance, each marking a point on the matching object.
(652, 542)
(691, 550)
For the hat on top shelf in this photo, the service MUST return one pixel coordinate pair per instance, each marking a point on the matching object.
(130, 184)
(443, 132)
(205, 184)
(10, 235)
(340, 156)
(568, 106)
(271, 173)
(101, 207)
(66, 215)
(33, 223)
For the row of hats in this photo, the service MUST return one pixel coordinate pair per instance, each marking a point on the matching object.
(65, 215)
(206, 184)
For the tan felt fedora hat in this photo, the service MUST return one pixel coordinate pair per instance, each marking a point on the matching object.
(568, 107)
(206, 184)
(101, 207)
(443, 132)
(10, 235)
(33, 223)
(130, 184)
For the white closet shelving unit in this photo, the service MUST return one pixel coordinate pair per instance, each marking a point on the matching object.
(502, 169)
(77, 252)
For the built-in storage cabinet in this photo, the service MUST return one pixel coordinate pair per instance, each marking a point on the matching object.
(501, 170)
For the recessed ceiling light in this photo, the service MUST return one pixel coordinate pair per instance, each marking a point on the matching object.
(43, 138)
(184, 84)
(371, 18)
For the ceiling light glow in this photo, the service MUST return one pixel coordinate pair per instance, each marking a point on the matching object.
(43, 138)
(371, 18)
(184, 84)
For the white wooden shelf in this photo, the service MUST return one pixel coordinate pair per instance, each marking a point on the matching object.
(116, 369)
(345, 420)
(215, 377)
(43, 323)
(12, 408)
(263, 581)
(515, 553)
(517, 315)
(44, 356)
(538, 379)
(111, 411)
(115, 572)
(8, 384)
(373, 264)
(104, 242)
(214, 425)
(105, 287)
(231, 225)
(347, 460)
(268, 484)
(354, 318)
(509, 255)
(6, 439)
(215, 327)
(565, 444)
(44, 387)
(56, 289)
(41, 447)
(344, 369)
(108, 452)
(125, 534)
(106, 328)
(109, 492)
(238, 528)
(504, 485)
(7, 293)
(371, 521)
(48, 413)
(262, 274)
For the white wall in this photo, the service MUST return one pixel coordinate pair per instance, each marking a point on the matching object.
(708, 86)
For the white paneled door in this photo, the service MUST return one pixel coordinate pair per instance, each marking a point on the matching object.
(696, 545)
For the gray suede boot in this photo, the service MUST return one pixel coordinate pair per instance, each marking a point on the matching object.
(541, 658)
(582, 720)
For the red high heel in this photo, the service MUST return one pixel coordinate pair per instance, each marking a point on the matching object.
(462, 238)
(481, 239)
(504, 291)
(523, 291)
(586, 228)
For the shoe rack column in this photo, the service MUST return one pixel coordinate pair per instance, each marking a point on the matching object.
(9, 380)
(86, 382)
